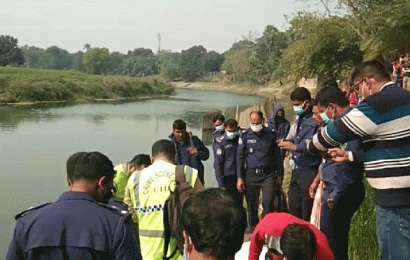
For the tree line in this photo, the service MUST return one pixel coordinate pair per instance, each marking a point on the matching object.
(327, 44)
(189, 65)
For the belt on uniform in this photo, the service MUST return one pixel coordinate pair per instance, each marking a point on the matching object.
(262, 170)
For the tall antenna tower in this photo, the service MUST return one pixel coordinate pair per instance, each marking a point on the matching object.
(159, 42)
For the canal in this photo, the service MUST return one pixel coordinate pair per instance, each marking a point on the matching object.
(35, 142)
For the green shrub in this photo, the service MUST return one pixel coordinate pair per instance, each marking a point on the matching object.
(362, 236)
(22, 85)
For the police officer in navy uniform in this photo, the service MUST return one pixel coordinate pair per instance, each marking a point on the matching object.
(226, 147)
(219, 124)
(79, 225)
(257, 162)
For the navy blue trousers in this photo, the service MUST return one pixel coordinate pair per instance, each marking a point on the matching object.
(335, 223)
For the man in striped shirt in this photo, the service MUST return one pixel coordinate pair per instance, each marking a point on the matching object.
(382, 120)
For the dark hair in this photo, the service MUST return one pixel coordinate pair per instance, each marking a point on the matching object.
(330, 83)
(71, 164)
(371, 69)
(328, 95)
(179, 124)
(165, 147)
(89, 166)
(141, 160)
(231, 123)
(298, 243)
(219, 117)
(215, 223)
(300, 94)
(258, 112)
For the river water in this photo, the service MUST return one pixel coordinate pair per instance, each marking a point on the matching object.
(36, 142)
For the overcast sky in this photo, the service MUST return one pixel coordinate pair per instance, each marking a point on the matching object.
(125, 25)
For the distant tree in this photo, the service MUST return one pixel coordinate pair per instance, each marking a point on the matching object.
(59, 58)
(213, 61)
(140, 66)
(34, 57)
(10, 53)
(268, 51)
(239, 62)
(328, 47)
(192, 63)
(117, 59)
(77, 61)
(87, 47)
(141, 52)
(168, 64)
(97, 60)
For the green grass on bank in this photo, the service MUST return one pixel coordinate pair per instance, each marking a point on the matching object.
(27, 85)
(362, 236)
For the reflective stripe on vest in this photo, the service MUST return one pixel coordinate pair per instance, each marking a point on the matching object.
(149, 190)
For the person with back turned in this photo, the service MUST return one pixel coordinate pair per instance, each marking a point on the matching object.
(79, 225)
(150, 188)
(257, 162)
(214, 226)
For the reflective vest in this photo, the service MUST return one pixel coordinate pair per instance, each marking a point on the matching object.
(120, 181)
(149, 190)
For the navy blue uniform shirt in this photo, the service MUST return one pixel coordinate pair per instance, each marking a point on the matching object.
(257, 151)
(216, 134)
(74, 227)
(183, 157)
(305, 161)
(225, 157)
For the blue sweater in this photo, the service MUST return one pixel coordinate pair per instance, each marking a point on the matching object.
(383, 122)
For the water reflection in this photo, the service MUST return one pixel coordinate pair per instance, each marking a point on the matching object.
(35, 142)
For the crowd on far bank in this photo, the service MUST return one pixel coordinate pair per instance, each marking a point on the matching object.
(401, 71)
(156, 206)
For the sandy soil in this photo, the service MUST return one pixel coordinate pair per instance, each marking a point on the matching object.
(274, 90)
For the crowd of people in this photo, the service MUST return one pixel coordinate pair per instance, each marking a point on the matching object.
(118, 212)
(401, 71)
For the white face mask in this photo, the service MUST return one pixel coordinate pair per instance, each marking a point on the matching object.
(257, 128)
(219, 128)
(231, 135)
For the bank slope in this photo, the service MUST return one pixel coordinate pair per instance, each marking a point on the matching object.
(18, 85)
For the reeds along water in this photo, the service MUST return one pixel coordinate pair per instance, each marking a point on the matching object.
(363, 242)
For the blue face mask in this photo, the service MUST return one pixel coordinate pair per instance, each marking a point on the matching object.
(298, 110)
(325, 118)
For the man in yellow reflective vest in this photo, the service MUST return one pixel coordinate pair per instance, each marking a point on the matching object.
(149, 189)
(124, 171)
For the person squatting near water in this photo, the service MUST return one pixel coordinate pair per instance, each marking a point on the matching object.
(226, 147)
(149, 189)
(382, 120)
(306, 164)
(124, 171)
(214, 225)
(257, 164)
(344, 190)
(190, 149)
(79, 225)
